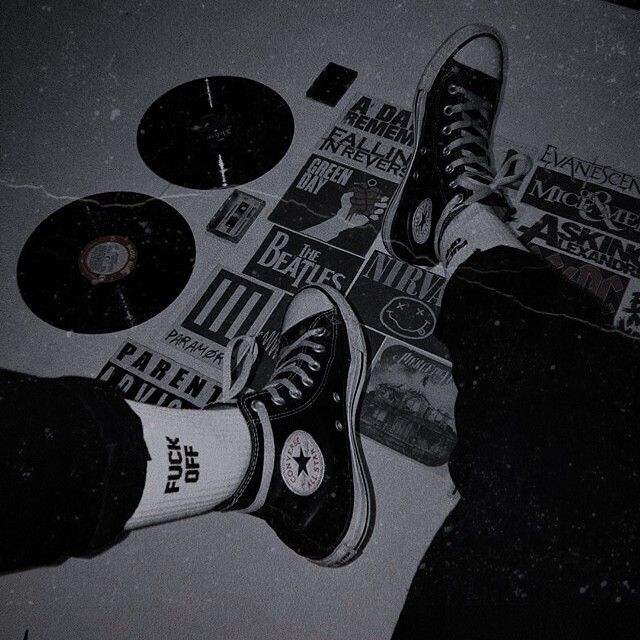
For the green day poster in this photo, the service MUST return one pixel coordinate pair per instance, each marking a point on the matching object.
(341, 193)
(335, 204)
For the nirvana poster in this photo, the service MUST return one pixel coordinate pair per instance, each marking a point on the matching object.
(399, 300)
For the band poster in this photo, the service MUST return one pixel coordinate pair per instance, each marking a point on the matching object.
(144, 375)
(341, 193)
(582, 217)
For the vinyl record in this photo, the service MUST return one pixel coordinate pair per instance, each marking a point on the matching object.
(215, 132)
(106, 262)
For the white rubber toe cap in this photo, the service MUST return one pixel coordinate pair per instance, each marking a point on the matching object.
(309, 302)
(483, 53)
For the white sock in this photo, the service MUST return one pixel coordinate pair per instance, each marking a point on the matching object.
(475, 228)
(198, 459)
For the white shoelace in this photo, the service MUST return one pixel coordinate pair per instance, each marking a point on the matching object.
(241, 355)
(237, 364)
(239, 358)
(478, 177)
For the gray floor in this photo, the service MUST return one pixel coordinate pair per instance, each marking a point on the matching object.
(76, 78)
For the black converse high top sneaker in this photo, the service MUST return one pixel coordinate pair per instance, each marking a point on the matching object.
(455, 106)
(307, 476)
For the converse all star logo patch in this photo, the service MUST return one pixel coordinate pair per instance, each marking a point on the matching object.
(301, 463)
(421, 222)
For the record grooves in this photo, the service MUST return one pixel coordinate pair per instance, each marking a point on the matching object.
(106, 262)
(215, 132)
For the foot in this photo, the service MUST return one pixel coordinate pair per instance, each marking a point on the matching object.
(455, 107)
(307, 477)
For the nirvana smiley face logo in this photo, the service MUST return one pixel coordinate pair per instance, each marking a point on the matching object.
(301, 463)
(408, 318)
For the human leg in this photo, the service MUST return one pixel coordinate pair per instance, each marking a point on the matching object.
(82, 464)
(545, 537)
(197, 460)
(545, 533)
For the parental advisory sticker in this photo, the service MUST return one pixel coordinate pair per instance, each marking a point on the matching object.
(144, 375)
(235, 216)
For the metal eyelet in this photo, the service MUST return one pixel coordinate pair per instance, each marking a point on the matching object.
(318, 348)
(446, 151)
(338, 425)
(279, 402)
(307, 382)
(320, 332)
(336, 397)
(415, 175)
(255, 404)
(453, 184)
(449, 168)
(422, 151)
(456, 201)
(295, 394)
(452, 89)
(314, 366)
(447, 110)
(446, 130)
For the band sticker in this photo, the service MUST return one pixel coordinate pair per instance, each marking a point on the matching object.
(594, 260)
(584, 218)
(409, 404)
(235, 216)
(587, 204)
(290, 261)
(399, 300)
(588, 171)
(230, 305)
(373, 136)
(336, 204)
(301, 463)
(606, 285)
(144, 375)
(628, 317)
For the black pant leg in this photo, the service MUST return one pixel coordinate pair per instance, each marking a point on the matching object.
(546, 460)
(72, 470)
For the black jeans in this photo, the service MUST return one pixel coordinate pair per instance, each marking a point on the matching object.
(545, 539)
(72, 469)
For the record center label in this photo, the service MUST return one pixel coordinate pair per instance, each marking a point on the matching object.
(108, 259)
